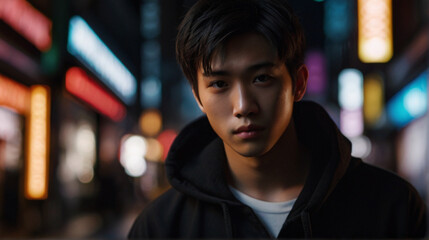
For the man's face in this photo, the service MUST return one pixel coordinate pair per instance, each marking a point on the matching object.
(248, 97)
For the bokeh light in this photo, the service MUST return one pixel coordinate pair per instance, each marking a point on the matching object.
(151, 122)
(132, 152)
(373, 99)
(350, 89)
(410, 103)
(155, 150)
(37, 164)
(361, 146)
(166, 138)
(375, 41)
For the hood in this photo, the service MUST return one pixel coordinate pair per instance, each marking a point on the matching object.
(331, 155)
(196, 162)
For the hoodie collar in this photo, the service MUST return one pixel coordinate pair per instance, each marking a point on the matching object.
(331, 151)
(196, 162)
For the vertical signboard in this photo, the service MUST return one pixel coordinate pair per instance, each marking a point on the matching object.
(36, 175)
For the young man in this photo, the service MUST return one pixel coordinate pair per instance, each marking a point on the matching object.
(262, 163)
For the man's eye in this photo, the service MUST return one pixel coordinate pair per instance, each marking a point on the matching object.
(261, 78)
(218, 84)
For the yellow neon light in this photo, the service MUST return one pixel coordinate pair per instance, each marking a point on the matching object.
(373, 99)
(36, 181)
(375, 43)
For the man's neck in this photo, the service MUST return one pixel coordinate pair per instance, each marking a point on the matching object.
(278, 175)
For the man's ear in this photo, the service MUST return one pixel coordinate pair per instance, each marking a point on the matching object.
(197, 99)
(301, 82)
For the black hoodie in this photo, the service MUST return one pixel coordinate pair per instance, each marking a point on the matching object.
(342, 196)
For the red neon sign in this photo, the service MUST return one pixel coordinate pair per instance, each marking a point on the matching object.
(14, 95)
(28, 21)
(82, 86)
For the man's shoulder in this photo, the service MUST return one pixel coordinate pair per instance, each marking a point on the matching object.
(170, 215)
(158, 215)
(377, 176)
(370, 180)
(369, 201)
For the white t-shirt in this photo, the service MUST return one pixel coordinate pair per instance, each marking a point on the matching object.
(271, 214)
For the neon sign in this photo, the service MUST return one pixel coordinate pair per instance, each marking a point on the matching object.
(82, 86)
(315, 60)
(36, 181)
(86, 46)
(373, 103)
(338, 20)
(14, 95)
(18, 59)
(350, 89)
(350, 98)
(27, 21)
(375, 41)
(410, 103)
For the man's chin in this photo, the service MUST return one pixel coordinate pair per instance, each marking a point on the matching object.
(252, 152)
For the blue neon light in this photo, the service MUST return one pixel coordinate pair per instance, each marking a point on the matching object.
(338, 19)
(410, 103)
(87, 47)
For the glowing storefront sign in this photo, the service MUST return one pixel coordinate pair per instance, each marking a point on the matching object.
(410, 103)
(373, 103)
(132, 152)
(351, 123)
(350, 89)
(85, 45)
(350, 98)
(82, 86)
(338, 21)
(29, 22)
(11, 130)
(14, 95)
(375, 42)
(9, 124)
(36, 174)
(316, 63)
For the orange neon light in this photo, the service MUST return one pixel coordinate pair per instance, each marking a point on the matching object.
(37, 162)
(28, 21)
(14, 95)
(82, 86)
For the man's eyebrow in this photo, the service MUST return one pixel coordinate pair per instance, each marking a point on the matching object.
(251, 68)
(258, 66)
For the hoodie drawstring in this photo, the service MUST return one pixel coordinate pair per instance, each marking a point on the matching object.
(306, 224)
(227, 219)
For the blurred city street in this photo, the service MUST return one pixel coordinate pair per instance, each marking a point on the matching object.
(91, 99)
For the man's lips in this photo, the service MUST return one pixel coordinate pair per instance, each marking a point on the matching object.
(248, 128)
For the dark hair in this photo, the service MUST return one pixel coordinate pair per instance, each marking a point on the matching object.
(209, 23)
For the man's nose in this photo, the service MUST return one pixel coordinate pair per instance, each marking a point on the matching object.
(244, 102)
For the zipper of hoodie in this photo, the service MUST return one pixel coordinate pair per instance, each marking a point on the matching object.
(306, 224)
(227, 219)
(304, 217)
(259, 222)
